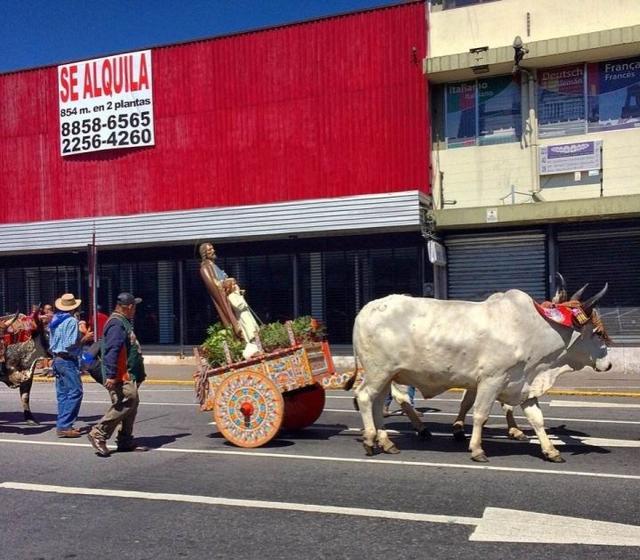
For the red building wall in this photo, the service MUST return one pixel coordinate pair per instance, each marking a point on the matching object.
(327, 108)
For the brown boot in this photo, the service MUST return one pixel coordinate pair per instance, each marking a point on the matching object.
(69, 433)
(99, 445)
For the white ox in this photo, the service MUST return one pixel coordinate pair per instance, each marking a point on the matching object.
(501, 348)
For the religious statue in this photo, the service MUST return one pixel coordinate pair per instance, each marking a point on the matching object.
(241, 308)
(213, 277)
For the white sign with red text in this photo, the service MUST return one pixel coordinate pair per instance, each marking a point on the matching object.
(106, 103)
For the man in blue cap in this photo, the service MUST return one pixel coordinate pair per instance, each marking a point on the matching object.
(122, 372)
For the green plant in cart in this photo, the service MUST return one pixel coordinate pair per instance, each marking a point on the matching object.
(213, 346)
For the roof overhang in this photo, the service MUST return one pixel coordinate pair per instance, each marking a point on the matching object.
(349, 215)
(587, 47)
(532, 213)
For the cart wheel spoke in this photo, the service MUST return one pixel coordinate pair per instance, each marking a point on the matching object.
(248, 409)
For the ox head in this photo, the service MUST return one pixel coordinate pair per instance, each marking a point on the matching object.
(589, 339)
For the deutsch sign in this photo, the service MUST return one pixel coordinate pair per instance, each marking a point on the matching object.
(106, 103)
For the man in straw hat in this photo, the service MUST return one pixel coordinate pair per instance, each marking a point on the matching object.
(66, 342)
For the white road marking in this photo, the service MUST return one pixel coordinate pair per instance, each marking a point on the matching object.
(504, 525)
(557, 440)
(368, 460)
(591, 404)
(496, 524)
(501, 416)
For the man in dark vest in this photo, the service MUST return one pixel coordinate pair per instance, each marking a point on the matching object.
(122, 372)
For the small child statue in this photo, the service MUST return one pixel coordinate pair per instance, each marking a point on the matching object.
(244, 316)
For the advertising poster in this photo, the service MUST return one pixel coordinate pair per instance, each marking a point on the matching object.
(500, 118)
(614, 94)
(461, 114)
(568, 158)
(561, 106)
(106, 103)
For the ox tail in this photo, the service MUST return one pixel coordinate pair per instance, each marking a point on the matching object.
(349, 384)
(352, 379)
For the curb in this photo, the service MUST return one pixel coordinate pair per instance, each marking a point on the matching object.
(555, 392)
(88, 379)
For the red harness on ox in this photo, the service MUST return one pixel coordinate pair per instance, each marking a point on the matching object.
(573, 317)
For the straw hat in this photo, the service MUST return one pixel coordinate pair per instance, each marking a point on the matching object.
(67, 302)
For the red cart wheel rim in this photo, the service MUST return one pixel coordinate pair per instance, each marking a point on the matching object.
(303, 408)
(248, 409)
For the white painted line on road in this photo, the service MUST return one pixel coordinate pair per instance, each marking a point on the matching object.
(430, 413)
(368, 460)
(260, 504)
(106, 401)
(496, 524)
(590, 404)
(557, 440)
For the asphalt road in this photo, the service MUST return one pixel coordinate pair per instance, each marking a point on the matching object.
(314, 494)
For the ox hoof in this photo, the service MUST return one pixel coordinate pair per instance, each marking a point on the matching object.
(555, 458)
(424, 434)
(459, 435)
(30, 420)
(391, 449)
(369, 450)
(480, 458)
(355, 404)
(518, 436)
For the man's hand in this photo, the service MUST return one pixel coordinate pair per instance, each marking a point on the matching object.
(110, 384)
(88, 336)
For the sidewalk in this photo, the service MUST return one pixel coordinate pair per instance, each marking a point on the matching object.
(583, 383)
(167, 368)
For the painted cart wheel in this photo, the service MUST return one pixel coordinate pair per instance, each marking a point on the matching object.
(248, 409)
(302, 408)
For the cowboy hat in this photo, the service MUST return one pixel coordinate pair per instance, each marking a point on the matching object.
(67, 302)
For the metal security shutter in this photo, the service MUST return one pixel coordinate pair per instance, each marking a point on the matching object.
(599, 254)
(480, 265)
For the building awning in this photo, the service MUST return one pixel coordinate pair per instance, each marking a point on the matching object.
(587, 47)
(507, 215)
(351, 215)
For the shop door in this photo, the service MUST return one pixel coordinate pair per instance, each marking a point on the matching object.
(480, 265)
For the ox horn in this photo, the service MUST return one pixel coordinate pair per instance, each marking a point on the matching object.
(588, 305)
(561, 291)
(10, 321)
(579, 293)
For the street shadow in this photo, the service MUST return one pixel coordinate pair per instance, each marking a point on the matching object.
(492, 447)
(571, 438)
(315, 432)
(14, 423)
(156, 442)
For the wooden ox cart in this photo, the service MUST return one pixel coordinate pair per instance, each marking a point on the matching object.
(253, 400)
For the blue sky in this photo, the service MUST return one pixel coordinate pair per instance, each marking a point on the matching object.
(43, 32)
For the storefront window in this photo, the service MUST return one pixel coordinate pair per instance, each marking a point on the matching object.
(561, 104)
(499, 115)
(614, 94)
(483, 112)
(461, 114)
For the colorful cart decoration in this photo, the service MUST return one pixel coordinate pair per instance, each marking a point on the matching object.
(253, 400)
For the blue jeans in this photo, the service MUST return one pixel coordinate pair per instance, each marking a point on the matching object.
(411, 391)
(68, 392)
